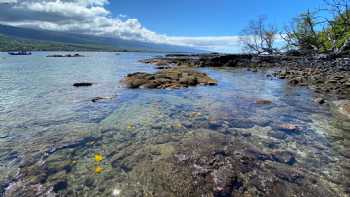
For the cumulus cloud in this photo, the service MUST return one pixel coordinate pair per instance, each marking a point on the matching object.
(92, 17)
(7, 1)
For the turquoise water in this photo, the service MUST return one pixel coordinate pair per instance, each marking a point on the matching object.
(50, 132)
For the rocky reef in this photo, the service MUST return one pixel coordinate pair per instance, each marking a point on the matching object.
(329, 76)
(168, 78)
(68, 55)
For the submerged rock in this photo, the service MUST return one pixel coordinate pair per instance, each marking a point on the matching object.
(341, 111)
(98, 98)
(61, 185)
(289, 128)
(263, 102)
(168, 78)
(285, 157)
(4, 134)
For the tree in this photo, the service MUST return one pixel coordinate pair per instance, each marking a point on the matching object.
(336, 34)
(302, 34)
(259, 38)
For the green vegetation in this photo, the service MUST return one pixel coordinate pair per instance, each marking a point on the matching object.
(337, 34)
(310, 32)
(18, 38)
(14, 44)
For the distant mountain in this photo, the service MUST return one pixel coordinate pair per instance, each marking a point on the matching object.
(16, 38)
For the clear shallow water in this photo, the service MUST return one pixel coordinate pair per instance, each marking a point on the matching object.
(153, 142)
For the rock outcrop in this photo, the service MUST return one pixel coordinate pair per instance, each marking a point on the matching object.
(168, 78)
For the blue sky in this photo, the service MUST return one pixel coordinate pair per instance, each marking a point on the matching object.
(213, 25)
(208, 17)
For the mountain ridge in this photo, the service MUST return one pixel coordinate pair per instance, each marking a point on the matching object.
(18, 38)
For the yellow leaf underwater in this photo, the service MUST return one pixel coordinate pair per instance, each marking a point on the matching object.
(130, 126)
(98, 169)
(98, 157)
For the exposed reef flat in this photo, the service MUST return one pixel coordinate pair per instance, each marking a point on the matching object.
(168, 78)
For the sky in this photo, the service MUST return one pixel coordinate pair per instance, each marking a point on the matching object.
(213, 25)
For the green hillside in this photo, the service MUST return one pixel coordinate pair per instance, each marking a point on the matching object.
(16, 38)
(15, 44)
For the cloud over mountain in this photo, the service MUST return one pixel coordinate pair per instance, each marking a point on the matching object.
(92, 17)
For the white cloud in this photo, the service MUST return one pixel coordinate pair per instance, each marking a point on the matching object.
(211, 43)
(84, 9)
(92, 17)
(8, 1)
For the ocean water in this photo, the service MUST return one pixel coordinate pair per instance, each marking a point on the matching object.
(161, 142)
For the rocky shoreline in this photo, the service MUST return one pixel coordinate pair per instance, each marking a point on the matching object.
(328, 76)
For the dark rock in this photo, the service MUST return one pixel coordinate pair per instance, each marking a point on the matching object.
(89, 182)
(284, 157)
(295, 81)
(263, 102)
(256, 153)
(68, 55)
(120, 166)
(215, 124)
(82, 84)
(3, 186)
(59, 186)
(290, 176)
(320, 101)
(98, 98)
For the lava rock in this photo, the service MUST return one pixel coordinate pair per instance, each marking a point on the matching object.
(290, 128)
(98, 98)
(320, 101)
(263, 102)
(82, 84)
(168, 78)
(285, 157)
(59, 186)
(341, 111)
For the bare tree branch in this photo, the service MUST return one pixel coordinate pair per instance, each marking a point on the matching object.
(259, 38)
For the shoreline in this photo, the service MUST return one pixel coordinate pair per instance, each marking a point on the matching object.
(330, 77)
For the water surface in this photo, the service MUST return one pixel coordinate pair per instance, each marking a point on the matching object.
(160, 142)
